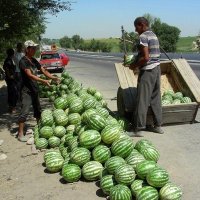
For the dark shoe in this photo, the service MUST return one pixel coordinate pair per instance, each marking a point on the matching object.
(157, 129)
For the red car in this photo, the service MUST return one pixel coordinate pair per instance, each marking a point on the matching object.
(54, 61)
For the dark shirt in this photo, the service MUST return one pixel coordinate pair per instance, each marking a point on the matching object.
(27, 83)
(9, 68)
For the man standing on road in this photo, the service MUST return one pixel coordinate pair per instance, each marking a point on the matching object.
(30, 96)
(148, 86)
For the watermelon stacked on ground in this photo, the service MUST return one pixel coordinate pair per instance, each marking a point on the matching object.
(86, 141)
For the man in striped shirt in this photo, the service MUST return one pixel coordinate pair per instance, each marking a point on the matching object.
(148, 87)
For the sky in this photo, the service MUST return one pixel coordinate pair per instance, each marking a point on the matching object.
(104, 18)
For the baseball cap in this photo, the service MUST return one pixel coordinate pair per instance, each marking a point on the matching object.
(30, 43)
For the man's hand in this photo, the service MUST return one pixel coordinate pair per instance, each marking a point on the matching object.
(57, 79)
(46, 82)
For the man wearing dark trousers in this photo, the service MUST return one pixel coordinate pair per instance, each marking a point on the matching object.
(148, 87)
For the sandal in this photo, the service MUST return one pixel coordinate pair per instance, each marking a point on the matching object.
(22, 139)
(29, 132)
(30, 141)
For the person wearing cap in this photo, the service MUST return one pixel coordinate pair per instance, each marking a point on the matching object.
(29, 91)
(9, 68)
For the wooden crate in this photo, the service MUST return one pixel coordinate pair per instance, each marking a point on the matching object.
(175, 74)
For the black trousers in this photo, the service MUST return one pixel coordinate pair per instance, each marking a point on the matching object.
(29, 99)
(148, 95)
(18, 85)
(12, 93)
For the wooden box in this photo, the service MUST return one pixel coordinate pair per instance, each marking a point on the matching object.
(175, 74)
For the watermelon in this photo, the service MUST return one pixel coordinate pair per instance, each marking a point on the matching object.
(74, 118)
(91, 170)
(106, 183)
(186, 100)
(129, 59)
(113, 162)
(143, 142)
(54, 164)
(101, 153)
(134, 158)
(47, 120)
(178, 95)
(51, 153)
(89, 139)
(103, 173)
(80, 156)
(91, 90)
(157, 177)
(96, 122)
(89, 103)
(136, 185)
(165, 102)
(71, 173)
(59, 131)
(150, 153)
(70, 128)
(122, 147)
(46, 132)
(125, 174)
(176, 101)
(60, 103)
(73, 143)
(170, 192)
(54, 141)
(147, 193)
(86, 115)
(98, 96)
(144, 167)
(103, 112)
(110, 133)
(76, 106)
(168, 92)
(61, 120)
(41, 143)
(120, 192)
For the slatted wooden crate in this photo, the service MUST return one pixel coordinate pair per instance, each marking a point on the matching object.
(175, 74)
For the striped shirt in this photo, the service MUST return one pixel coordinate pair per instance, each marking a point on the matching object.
(150, 40)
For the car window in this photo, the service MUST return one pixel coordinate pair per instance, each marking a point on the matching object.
(49, 56)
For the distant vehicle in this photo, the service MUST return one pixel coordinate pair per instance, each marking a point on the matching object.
(54, 61)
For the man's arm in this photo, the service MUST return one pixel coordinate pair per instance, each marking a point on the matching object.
(49, 75)
(144, 52)
(36, 78)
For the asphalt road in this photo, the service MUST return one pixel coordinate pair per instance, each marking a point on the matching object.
(108, 59)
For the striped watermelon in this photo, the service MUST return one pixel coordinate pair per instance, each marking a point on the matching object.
(106, 183)
(143, 142)
(176, 101)
(54, 141)
(120, 192)
(186, 100)
(54, 164)
(73, 143)
(91, 90)
(144, 167)
(122, 147)
(91, 170)
(101, 153)
(113, 162)
(168, 92)
(110, 133)
(166, 102)
(96, 122)
(137, 185)
(89, 103)
(168, 98)
(76, 106)
(178, 95)
(111, 120)
(58, 112)
(60, 103)
(89, 139)
(74, 118)
(125, 174)
(150, 153)
(71, 173)
(80, 156)
(157, 177)
(50, 153)
(98, 96)
(86, 115)
(46, 132)
(41, 143)
(170, 192)
(147, 193)
(61, 120)
(47, 120)
(46, 112)
(103, 103)
(102, 111)
(65, 152)
(70, 128)
(59, 131)
(134, 158)
(68, 137)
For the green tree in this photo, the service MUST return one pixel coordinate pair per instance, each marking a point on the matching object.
(76, 41)
(65, 42)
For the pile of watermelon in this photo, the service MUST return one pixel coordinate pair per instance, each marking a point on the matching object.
(83, 140)
(171, 97)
